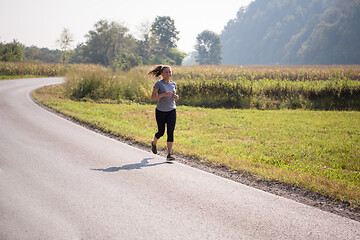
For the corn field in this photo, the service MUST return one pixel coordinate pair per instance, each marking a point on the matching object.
(335, 87)
(253, 72)
(42, 69)
(270, 87)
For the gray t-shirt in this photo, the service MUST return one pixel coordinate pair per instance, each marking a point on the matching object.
(166, 104)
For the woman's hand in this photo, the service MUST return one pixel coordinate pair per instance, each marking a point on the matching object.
(168, 94)
(155, 96)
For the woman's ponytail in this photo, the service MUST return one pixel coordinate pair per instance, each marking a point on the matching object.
(156, 72)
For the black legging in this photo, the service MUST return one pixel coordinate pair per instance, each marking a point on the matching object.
(170, 119)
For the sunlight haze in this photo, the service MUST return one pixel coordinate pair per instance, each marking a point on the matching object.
(40, 22)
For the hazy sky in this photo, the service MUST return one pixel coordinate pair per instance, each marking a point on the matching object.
(40, 22)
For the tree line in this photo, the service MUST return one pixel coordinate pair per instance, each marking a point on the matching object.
(272, 32)
(294, 32)
(110, 44)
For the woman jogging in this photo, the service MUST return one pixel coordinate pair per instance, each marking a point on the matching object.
(164, 92)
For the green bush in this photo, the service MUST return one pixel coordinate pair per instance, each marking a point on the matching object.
(104, 84)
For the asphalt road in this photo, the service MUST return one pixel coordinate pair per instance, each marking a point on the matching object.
(59, 180)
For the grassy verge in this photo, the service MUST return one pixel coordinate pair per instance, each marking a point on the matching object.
(18, 77)
(315, 150)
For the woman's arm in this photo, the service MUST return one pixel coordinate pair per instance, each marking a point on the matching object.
(155, 96)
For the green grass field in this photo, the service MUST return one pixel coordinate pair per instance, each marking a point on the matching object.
(315, 150)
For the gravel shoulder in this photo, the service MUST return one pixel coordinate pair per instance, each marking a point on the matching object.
(284, 190)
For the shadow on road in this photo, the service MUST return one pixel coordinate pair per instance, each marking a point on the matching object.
(143, 163)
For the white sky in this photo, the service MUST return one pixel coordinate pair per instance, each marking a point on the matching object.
(40, 22)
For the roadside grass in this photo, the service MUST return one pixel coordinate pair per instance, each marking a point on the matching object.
(19, 77)
(315, 150)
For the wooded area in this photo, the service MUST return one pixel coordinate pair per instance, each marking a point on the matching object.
(267, 32)
(294, 32)
(109, 44)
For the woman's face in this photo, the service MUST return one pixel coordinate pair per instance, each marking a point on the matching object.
(166, 73)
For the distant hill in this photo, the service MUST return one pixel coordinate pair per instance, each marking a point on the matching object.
(294, 32)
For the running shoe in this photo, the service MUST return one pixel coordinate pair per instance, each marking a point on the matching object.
(170, 157)
(153, 148)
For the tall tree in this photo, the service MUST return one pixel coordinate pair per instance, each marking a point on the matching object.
(164, 31)
(65, 42)
(107, 42)
(11, 52)
(208, 46)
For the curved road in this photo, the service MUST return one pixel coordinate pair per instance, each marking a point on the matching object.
(61, 181)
